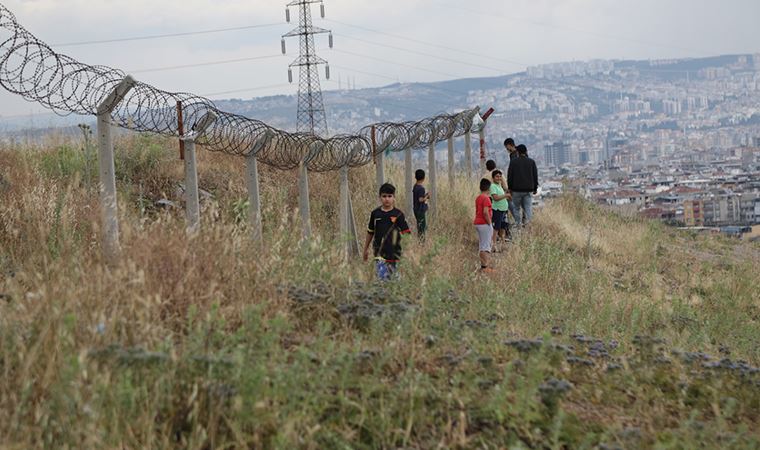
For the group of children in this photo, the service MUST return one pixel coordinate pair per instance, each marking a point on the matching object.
(387, 223)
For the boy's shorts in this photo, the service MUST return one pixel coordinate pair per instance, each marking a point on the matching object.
(385, 270)
(485, 234)
(500, 220)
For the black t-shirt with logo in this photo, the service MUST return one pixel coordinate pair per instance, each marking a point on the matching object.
(387, 228)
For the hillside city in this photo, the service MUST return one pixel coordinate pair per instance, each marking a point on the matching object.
(672, 143)
(675, 140)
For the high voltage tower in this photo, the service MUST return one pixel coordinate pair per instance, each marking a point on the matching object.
(311, 109)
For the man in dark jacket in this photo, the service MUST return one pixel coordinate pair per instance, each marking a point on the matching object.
(522, 180)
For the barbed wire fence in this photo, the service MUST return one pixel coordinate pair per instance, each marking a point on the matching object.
(32, 69)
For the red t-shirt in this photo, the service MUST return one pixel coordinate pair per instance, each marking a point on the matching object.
(483, 201)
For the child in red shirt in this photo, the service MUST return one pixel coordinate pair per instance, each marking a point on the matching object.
(482, 222)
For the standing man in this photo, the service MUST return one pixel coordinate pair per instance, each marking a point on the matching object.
(509, 144)
(522, 179)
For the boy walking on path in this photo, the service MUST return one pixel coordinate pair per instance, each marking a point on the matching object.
(500, 201)
(482, 222)
(386, 225)
(421, 199)
(522, 179)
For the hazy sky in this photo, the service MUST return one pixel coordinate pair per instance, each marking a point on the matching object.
(420, 43)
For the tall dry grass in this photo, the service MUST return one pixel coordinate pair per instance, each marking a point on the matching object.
(198, 341)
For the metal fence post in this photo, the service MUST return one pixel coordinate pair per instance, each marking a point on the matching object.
(109, 209)
(192, 198)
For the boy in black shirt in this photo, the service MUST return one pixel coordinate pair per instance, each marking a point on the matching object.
(386, 225)
(421, 199)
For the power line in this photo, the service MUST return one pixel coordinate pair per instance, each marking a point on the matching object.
(576, 30)
(236, 91)
(444, 47)
(210, 63)
(500, 71)
(162, 36)
(399, 64)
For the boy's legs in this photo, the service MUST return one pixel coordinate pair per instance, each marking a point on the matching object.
(419, 216)
(498, 221)
(485, 235)
(385, 271)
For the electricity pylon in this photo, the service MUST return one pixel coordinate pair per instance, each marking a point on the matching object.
(311, 109)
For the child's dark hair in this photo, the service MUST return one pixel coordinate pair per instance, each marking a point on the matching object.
(485, 185)
(419, 175)
(490, 165)
(495, 173)
(509, 142)
(388, 188)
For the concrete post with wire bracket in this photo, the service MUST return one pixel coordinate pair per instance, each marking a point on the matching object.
(108, 203)
(192, 199)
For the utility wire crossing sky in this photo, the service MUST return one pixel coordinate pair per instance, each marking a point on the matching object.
(230, 48)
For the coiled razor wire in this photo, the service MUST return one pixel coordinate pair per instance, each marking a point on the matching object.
(33, 70)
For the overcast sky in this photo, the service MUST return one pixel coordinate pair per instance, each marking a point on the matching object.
(506, 35)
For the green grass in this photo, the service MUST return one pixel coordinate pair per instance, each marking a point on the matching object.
(587, 336)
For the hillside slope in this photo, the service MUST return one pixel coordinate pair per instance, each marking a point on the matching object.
(597, 331)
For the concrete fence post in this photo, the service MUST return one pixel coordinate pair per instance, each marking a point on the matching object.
(433, 177)
(379, 154)
(347, 224)
(107, 171)
(468, 153)
(482, 135)
(343, 204)
(409, 182)
(192, 197)
(254, 197)
(303, 199)
(451, 164)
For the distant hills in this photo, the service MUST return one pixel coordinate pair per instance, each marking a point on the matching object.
(349, 110)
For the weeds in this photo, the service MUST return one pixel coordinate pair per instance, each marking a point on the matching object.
(597, 331)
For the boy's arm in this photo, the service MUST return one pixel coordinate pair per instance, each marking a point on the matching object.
(403, 226)
(487, 215)
(367, 241)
